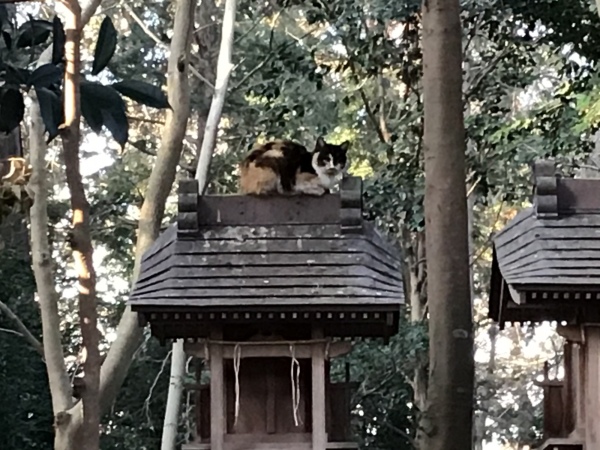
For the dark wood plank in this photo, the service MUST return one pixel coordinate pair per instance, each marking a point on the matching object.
(245, 292)
(282, 284)
(242, 232)
(271, 301)
(274, 210)
(578, 195)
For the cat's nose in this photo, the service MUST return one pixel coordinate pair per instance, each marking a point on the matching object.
(331, 171)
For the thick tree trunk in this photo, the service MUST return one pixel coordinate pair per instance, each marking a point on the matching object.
(447, 423)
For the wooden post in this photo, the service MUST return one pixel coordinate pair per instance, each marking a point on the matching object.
(592, 410)
(217, 393)
(319, 434)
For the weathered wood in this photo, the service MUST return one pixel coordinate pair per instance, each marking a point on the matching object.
(217, 393)
(546, 200)
(319, 425)
(233, 298)
(276, 210)
(592, 409)
(335, 350)
(578, 196)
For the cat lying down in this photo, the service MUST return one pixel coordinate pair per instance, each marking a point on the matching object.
(288, 168)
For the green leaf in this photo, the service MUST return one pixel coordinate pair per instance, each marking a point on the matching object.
(105, 46)
(58, 41)
(51, 109)
(15, 75)
(12, 109)
(103, 106)
(142, 92)
(45, 76)
(33, 32)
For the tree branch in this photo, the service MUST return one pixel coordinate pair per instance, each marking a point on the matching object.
(23, 330)
(60, 386)
(129, 332)
(152, 35)
(224, 67)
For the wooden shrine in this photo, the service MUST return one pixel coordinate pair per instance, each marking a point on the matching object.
(546, 267)
(266, 291)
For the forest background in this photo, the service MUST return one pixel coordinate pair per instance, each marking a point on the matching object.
(348, 69)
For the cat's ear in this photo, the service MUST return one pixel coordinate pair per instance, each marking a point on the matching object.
(345, 146)
(320, 143)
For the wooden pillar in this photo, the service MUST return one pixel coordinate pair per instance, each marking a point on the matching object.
(319, 434)
(217, 393)
(592, 390)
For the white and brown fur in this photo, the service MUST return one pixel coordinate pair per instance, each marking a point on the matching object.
(288, 168)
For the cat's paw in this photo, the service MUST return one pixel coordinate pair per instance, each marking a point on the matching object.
(315, 190)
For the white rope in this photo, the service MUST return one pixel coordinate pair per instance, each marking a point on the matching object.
(295, 376)
(237, 358)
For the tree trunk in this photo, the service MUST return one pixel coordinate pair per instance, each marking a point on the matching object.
(209, 138)
(224, 67)
(447, 421)
(81, 241)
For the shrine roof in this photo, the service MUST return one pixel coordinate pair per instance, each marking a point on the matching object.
(546, 261)
(283, 258)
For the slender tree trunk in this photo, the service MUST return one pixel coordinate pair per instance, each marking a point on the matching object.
(81, 241)
(447, 423)
(209, 138)
(224, 67)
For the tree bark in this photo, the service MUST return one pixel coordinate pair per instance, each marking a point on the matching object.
(448, 418)
(60, 386)
(81, 241)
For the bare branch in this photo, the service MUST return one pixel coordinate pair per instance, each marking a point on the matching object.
(224, 67)
(23, 330)
(160, 43)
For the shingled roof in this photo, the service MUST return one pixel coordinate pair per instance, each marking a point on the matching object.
(244, 258)
(546, 261)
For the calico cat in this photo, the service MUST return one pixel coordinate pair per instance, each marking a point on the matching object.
(288, 168)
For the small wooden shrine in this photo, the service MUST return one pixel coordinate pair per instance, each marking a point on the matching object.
(266, 291)
(546, 267)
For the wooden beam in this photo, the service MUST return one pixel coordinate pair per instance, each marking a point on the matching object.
(217, 393)
(319, 433)
(592, 409)
(274, 350)
(572, 333)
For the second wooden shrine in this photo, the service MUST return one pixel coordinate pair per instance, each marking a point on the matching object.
(546, 267)
(266, 291)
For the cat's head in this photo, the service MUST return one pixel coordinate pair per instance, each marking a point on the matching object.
(330, 159)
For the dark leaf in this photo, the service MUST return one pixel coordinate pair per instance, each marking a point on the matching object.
(12, 109)
(45, 76)
(15, 75)
(105, 46)
(143, 93)
(103, 106)
(7, 39)
(52, 110)
(4, 16)
(58, 41)
(33, 32)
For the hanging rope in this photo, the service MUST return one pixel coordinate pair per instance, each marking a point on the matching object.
(295, 376)
(237, 358)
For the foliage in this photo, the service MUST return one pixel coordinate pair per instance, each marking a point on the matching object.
(101, 105)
